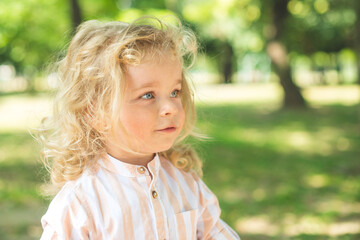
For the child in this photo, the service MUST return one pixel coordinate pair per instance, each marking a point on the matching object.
(123, 108)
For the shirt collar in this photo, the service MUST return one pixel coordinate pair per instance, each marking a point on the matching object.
(129, 170)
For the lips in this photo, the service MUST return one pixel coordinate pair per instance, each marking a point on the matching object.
(167, 130)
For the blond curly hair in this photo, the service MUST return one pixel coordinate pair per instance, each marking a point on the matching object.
(91, 83)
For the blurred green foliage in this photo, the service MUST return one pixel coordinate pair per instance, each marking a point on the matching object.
(32, 31)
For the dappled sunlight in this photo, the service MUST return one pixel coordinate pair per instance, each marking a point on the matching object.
(291, 225)
(249, 135)
(323, 141)
(319, 142)
(299, 139)
(235, 195)
(347, 95)
(317, 180)
(268, 94)
(339, 206)
(12, 153)
(231, 195)
(22, 113)
(310, 224)
(297, 173)
(259, 194)
(256, 225)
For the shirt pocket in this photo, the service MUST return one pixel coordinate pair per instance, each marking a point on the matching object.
(186, 224)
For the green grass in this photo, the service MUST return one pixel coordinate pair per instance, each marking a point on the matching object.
(278, 174)
(285, 174)
(21, 175)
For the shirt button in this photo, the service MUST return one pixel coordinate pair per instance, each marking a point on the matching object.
(141, 170)
(154, 194)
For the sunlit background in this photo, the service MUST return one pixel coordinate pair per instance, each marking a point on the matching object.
(277, 90)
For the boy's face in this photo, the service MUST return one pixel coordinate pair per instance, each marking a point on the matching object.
(152, 113)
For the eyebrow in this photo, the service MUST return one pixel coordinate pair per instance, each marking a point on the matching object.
(151, 84)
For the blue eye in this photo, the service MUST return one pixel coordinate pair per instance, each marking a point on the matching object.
(175, 94)
(147, 96)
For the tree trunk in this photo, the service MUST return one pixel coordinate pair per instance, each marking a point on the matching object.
(278, 54)
(279, 58)
(227, 62)
(76, 14)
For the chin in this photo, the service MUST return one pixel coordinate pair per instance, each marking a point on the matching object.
(165, 147)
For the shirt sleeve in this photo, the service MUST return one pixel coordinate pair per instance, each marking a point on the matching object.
(209, 225)
(65, 218)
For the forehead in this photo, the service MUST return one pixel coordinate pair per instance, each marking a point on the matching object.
(154, 72)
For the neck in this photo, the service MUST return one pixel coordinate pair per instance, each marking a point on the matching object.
(135, 159)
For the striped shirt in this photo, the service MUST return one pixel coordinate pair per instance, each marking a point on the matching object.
(116, 200)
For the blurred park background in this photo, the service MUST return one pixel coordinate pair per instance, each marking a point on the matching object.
(277, 86)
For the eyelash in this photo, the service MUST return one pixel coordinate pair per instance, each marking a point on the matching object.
(152, 95)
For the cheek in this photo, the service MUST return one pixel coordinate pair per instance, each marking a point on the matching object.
(137, 121)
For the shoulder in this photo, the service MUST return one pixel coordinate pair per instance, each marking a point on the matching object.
(67, 197)
(71, 198)
(69, 215)
(64, 210)
(78, 187)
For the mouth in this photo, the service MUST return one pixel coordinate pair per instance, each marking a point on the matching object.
(167, 130)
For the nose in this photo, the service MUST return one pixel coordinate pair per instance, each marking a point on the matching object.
(168, 107)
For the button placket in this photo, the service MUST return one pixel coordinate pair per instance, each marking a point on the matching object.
(159, 215)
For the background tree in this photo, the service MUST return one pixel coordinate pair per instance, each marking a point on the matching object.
(278, 53)
(76, 13)
(317, 29)
(230, 31)
(30, 32)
